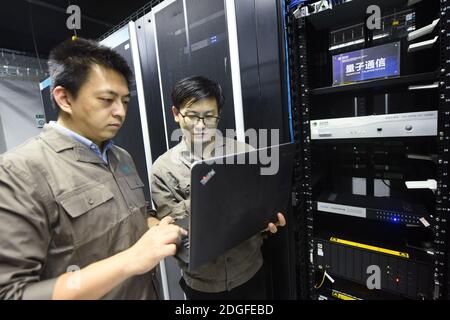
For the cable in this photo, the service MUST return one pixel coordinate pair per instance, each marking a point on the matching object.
(423, 249)
(30, 13)
(321, 283)
(295, 2)
(387, 185)
(75, 36)
(288, 78)
(390, 187)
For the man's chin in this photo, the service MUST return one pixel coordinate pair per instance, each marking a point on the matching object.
(201, 137)
(196, 139)
(108, 136)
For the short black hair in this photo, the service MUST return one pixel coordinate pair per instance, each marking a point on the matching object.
(71, 61)
(195, 88)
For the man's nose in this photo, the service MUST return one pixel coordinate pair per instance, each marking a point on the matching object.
(200, 124)
(119, 109)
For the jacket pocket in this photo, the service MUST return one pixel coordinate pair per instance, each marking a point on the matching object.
(90, 213)
(135, 192)
(86, 200)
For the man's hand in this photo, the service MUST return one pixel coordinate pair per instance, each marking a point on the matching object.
(152, 221)
(272, 228)
(101, 277)
(158, 242)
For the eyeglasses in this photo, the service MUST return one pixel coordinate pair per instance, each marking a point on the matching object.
(209, 121)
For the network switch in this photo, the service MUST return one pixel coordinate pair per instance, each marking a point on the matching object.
(411, 124)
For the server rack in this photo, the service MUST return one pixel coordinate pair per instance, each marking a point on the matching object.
(345, 244)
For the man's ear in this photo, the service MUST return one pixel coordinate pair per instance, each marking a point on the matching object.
(175, 113)
(63, 99)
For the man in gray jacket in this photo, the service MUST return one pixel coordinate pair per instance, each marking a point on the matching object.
(73, 217)
(237, 274)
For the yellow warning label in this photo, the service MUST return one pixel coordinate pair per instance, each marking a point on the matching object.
(342, 296)
(372, 248)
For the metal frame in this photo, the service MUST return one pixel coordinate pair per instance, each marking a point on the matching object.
(133, 17)
(440, 224)
(301, 193)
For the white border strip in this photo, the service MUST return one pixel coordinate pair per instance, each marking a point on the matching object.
(116, 38)
(163, 106)
(45, 83)
(186, 27)
(235, 69)
(145, 133)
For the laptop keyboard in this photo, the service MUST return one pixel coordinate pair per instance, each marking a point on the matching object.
(185, 242)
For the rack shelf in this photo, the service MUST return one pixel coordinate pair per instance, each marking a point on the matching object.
(378, 84)
(344, 13)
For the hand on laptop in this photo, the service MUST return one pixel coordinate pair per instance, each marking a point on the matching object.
(272, 227)
(157, 243)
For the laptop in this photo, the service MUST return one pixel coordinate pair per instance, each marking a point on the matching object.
(233, 198)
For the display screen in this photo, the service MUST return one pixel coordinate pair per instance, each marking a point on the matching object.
(370, 63)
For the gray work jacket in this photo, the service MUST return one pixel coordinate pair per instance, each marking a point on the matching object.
(61, 209)
(171, 182)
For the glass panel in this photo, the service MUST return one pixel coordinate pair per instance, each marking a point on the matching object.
(203, 50)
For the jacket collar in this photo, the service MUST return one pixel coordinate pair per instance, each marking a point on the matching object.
(60, 142)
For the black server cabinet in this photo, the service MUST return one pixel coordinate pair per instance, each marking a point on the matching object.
(260, 28)
(354, 208)
(178, 39)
